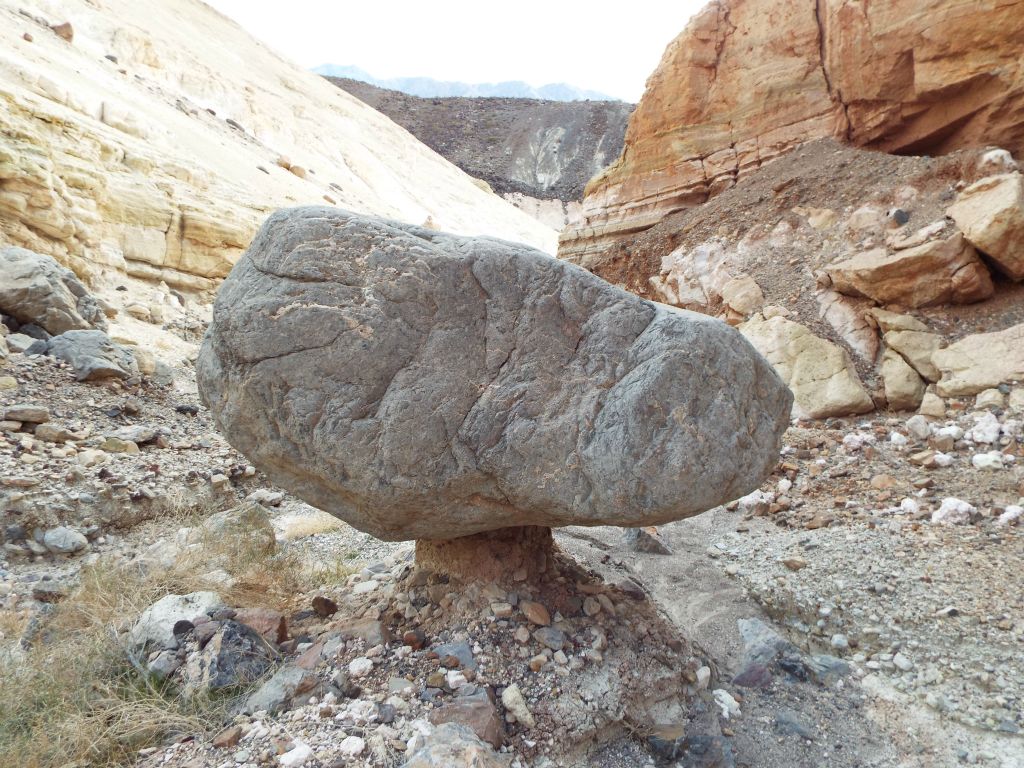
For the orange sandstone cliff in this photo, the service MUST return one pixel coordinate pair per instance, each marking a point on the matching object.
(748, 80)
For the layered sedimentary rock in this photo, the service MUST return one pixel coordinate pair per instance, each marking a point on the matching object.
(424, 385)
(138, 146)
(747, 80)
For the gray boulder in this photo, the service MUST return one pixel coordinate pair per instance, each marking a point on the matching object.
(418, 384)
(92, 355)
(64, 541)
(35, 289)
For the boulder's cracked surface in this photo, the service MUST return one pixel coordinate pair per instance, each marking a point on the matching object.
(423, 385)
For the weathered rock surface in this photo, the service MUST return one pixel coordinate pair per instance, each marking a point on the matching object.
(981, 361)
(452, 744)
(36, 289)
(904, 388)
(823, 380)
(991, 214)
(155, 627)
(423, 385)
(936, 272)
(917, 348)
(144, 149)
(747, 80)
(234, 656)
(92, 355)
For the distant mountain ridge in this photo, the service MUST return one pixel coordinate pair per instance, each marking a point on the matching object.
(427, 87)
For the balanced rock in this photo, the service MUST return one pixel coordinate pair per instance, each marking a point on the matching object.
(423, 385)
(36, 289)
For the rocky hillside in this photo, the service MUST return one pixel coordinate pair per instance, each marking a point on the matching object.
(839, 248)
(130, 143)
(748, 80)
(527, 150)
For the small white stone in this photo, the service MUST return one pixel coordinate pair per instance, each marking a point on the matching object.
(455, 679)
(898, 441)
(703, 677)
(910, 507)
(989, 398)
(512, 699)
(365, 587)
(952, 430)
(1010, 514)
(296, 756)
(986, 429)
(360, 667)
(729, 706)
(990, 460)
(919, 427)
(352, 746)
(902, 662)
(954, 511)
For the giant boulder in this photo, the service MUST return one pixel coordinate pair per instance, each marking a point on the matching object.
(36, 289)
(423, 385)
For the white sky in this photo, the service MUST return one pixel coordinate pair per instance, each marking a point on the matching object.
(608, 47)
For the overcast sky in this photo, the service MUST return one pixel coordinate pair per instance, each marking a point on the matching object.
(604, 47)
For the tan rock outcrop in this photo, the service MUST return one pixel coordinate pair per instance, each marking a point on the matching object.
(747, 80)
(991, 214)
(981, 361)
(937, 272)
(903, 387)
(820, 373)
(917, 348)
(163, 164)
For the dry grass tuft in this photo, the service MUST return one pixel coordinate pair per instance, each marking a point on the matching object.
(77, 697)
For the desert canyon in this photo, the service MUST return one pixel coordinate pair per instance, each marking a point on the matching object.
(346, 427)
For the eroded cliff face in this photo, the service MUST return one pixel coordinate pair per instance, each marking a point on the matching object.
(155, 141)
(748, 80)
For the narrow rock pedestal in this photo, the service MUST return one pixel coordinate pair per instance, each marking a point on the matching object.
(504, 555)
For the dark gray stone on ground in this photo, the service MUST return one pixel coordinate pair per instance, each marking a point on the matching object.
(418, 384)
(276, 694)
(236, 655)
(92, 355)
(35, 289)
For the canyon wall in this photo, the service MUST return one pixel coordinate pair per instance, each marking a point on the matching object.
(129, 143)
(748, 80)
